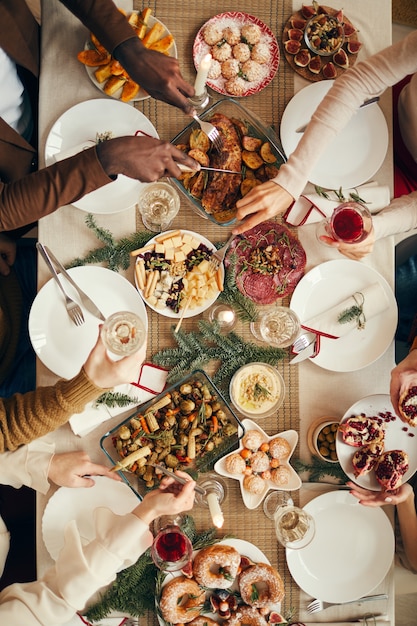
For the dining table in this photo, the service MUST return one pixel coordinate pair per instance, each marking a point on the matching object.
(311, 391)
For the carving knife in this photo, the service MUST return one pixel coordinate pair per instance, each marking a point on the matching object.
(185, 168)
(86, 300)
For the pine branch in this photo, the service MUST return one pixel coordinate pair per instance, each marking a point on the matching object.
(115, 398)
(245, 309)
(318, 469)
(115, 254)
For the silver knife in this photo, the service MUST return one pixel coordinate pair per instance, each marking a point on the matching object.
(301, 129)
(86, 300)
(185, 168)
(304, 354)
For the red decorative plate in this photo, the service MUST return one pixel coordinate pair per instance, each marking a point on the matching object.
(239, 19)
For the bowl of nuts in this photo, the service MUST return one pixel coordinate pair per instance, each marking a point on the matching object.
(322, 438)
(324, 34)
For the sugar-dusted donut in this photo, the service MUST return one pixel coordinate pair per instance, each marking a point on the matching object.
(181, 600)
(216, 566)
(267, 582)
(246, 616)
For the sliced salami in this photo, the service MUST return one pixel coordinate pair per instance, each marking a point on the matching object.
(268, 261)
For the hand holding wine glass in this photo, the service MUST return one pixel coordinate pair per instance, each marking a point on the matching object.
(349, 229)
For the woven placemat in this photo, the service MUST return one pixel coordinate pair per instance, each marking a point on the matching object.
(269, 104)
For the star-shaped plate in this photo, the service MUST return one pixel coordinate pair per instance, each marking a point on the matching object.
(250, 500)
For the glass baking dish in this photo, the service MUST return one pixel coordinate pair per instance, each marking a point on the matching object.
(169, 432)
(256, 128)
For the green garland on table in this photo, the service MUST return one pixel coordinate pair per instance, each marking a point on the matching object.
(318, 469)
(136, 587)
(245, 308)
(115, 253)
(198, 348)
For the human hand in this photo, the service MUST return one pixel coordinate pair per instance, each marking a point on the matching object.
(261, 203)
(403, 376)
(355, 251)
(106, 373)
(157, 73)
(144, 158)
(170, 498)
(380, 498)
(73, 469)
(7, 254)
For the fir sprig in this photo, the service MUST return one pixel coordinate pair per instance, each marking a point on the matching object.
(354, 312)
(196, 349)
(318, 469)
(115, 398)
(136, 587)
(116, 254)
(245, 309)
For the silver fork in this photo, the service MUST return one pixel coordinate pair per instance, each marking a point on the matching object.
(217, 257)
(211, 132)
(73, 309)
(303, 341)
(318, 605)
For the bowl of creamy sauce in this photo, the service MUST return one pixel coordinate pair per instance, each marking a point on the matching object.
(257, 390)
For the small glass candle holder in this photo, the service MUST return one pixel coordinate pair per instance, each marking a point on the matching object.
(171, 549)
(123, 333)
(200, 102)
(277, 327)
(224, 315)
(216, 492)
(158, 204)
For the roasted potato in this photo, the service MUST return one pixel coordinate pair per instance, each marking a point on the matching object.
(252, 159)
(200, 156)
(199, 140)
(252, 144)
(267, 154)
(93, 58)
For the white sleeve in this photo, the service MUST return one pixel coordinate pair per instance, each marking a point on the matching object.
(28, 465)
(78, 573)
(399, 216)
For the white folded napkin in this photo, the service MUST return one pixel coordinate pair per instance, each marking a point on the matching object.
(312, 207)
(374, 300)
(66, 154)
(152, 381)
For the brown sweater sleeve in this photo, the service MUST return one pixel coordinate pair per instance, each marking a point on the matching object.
(41, 193)
(25, 417)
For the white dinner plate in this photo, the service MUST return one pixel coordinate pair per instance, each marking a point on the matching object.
(355, 154)
(251, 500)
(78, 504)
(245, 548)
(142, 94)
(166, 311)
(351, 552)
(330, 283)
(79, 125)
(398, 436)
(59, 344)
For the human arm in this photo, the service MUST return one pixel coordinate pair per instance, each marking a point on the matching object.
(81, 570)
(403, 376)
(157, 73)
(25, 417)
(7, 254)
(362, 81)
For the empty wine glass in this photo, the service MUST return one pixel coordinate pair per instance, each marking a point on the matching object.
(294, 527)
(123, 333)
(277, 326)
(171, 549)
(158, 205)
(350, 222)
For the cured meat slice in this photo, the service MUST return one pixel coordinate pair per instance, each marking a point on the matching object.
(268, 262)
(390, 468)
(408, 406)
(365, 458)
(360, 430)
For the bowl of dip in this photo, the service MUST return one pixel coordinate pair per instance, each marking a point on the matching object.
(257, 390)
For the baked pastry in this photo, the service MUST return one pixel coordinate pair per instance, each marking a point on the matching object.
(390, 468)
(280, 476)
(365, 458)
(182, 600)
(279, 448)
(360, 430)
(252, 439)
(259, 461)
(235, 464)
(215, 567)
(260, 585)
(254, 484)
(408, 406)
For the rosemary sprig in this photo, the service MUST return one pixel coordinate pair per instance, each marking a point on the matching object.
(260, 391)
(355, 312)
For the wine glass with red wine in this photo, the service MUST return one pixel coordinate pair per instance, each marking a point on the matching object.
(350, 223)
(171, 549)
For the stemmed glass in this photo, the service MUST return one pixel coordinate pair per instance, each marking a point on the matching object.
(350, 223)
(171, 548)
(294, 527)
(277, 326)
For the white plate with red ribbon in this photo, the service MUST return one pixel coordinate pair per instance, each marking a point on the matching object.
(331, 283)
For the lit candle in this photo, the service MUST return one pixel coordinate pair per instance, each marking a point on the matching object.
(215, 510)
(202, 73)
